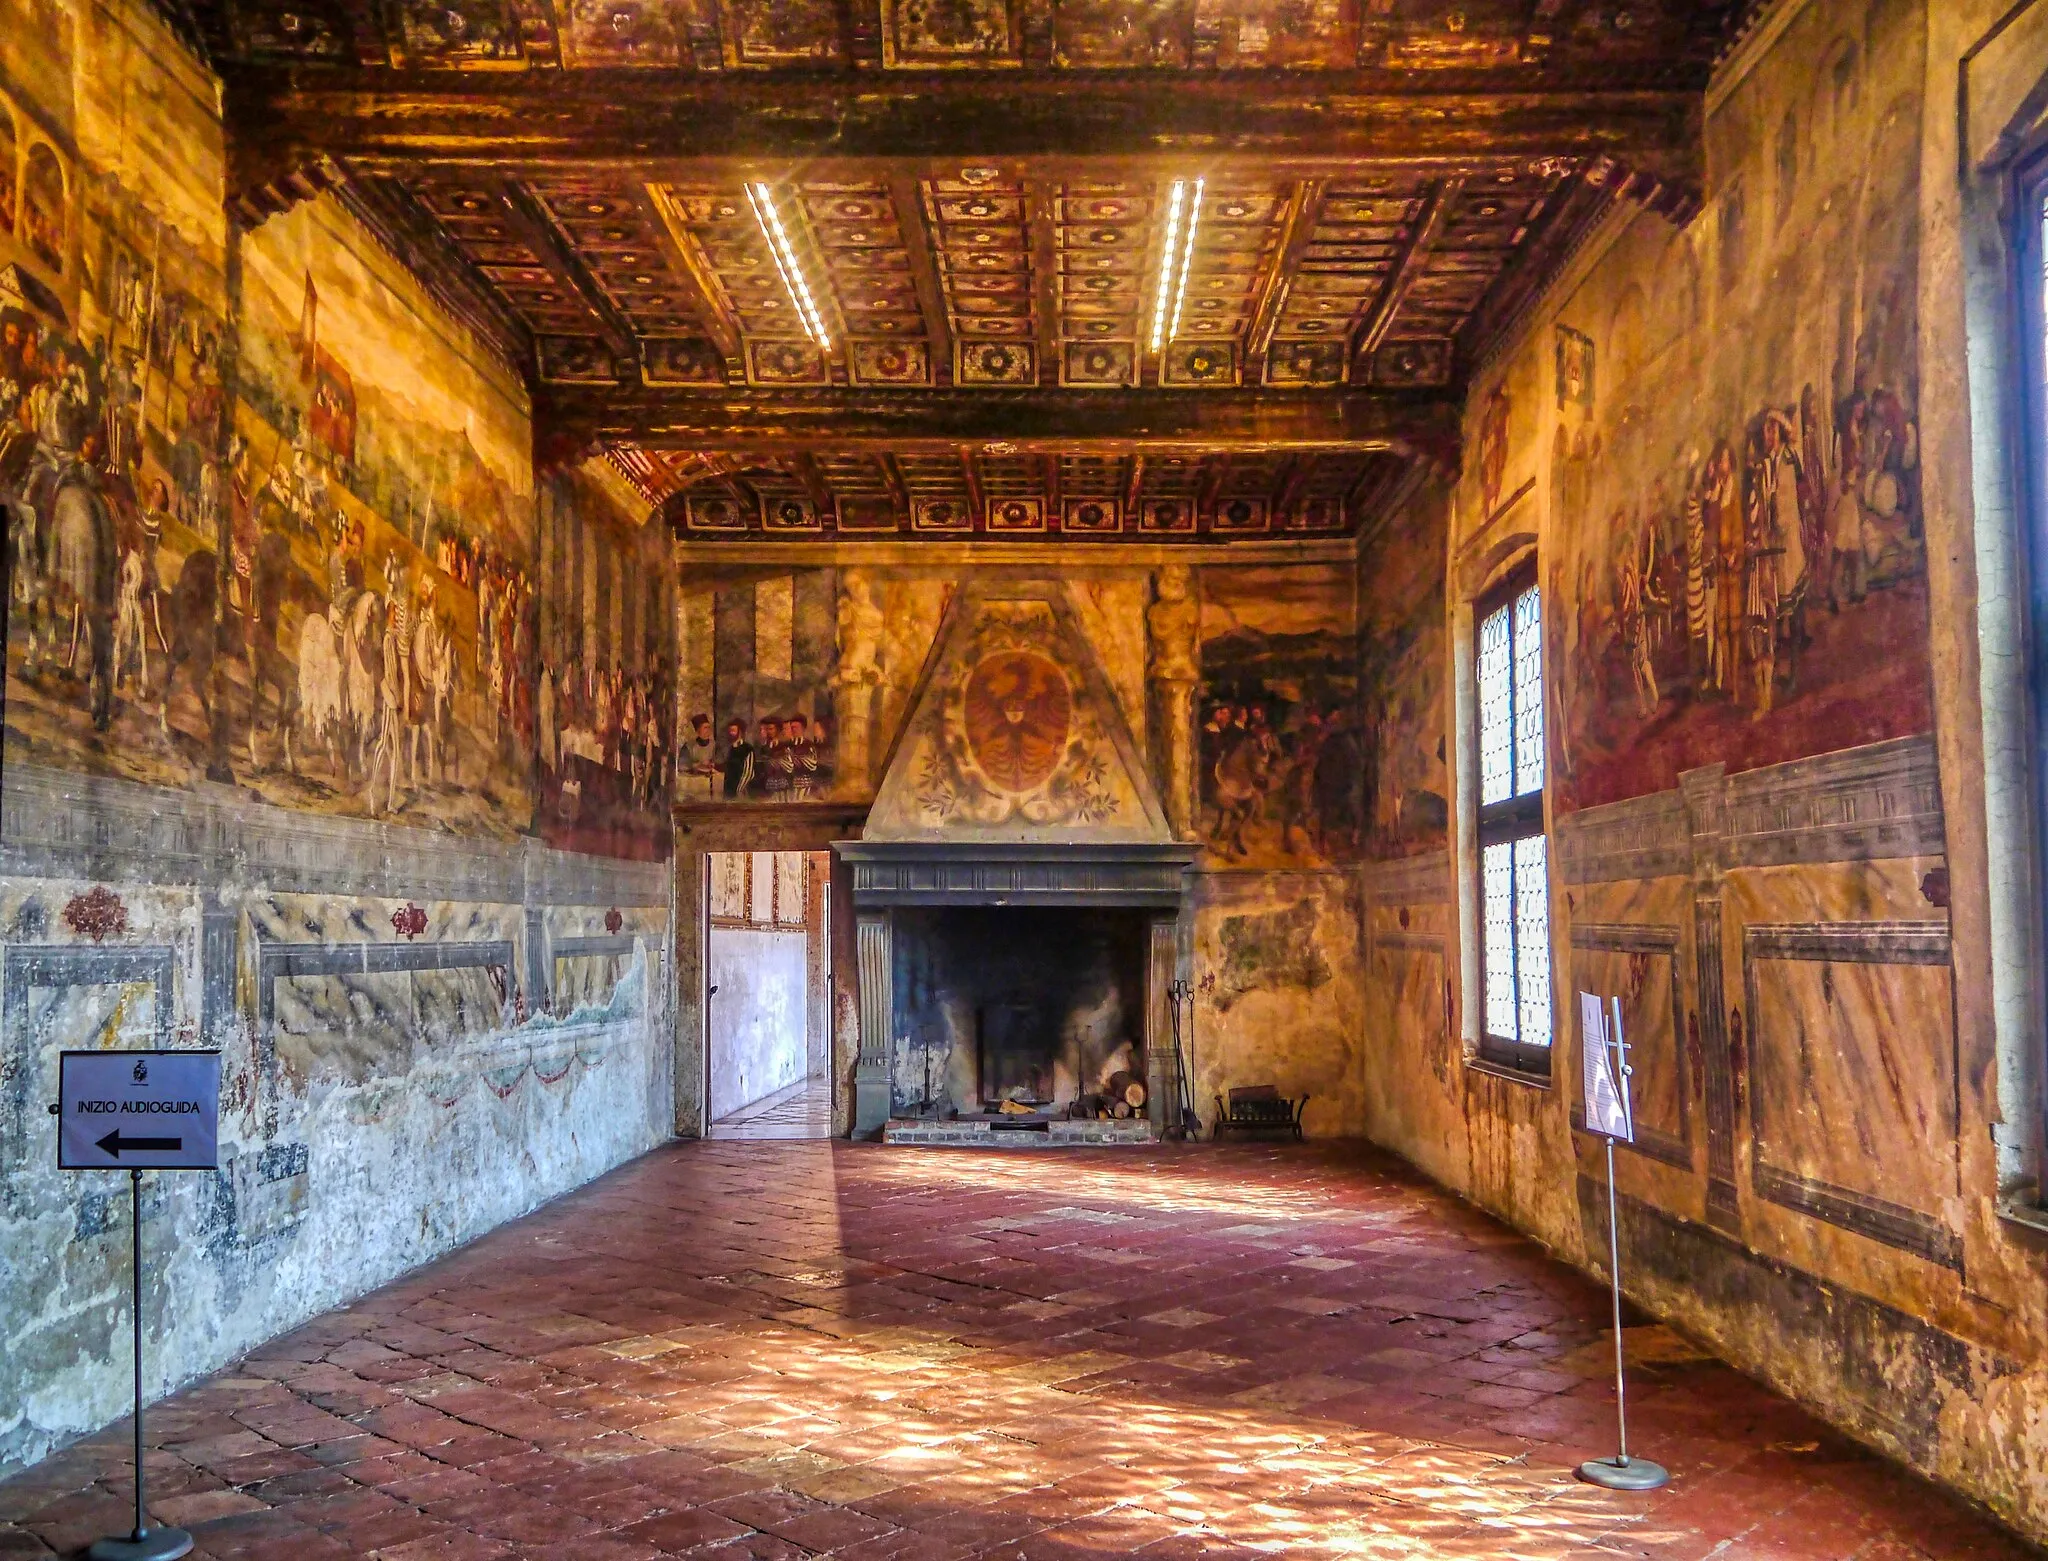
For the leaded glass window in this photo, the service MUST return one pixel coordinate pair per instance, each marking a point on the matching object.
(1514, 880)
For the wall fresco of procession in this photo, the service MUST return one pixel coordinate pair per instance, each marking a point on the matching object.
(605, 689)
(761, 668)
(113, 350)
(321, 591)
(1738, 568)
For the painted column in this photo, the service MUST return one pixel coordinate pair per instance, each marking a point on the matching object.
(854, 685)
(1706, 819)
(1172, 625)
(691, 925)
(876, 944)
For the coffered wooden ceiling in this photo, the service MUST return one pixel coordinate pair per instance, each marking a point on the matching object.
(976, 203)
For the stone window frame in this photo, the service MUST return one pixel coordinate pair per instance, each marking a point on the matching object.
(2026, 214)
(1520, 816)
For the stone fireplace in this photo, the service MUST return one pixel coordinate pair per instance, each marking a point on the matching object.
(1029, 976)
(1010, 1008)
(1018, 891)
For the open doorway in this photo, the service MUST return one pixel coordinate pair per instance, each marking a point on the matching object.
(768, 995)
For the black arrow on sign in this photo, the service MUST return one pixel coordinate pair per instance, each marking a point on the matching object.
(114, 1143)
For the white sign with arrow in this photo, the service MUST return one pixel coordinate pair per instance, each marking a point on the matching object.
(136, 1110)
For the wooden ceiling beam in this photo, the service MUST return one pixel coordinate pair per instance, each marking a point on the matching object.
(977, 500)
(1155, 421)
(816, 488)
(656, 121)
(1429, 227)
(899, 490)
(1294, 477)
(908, 202)
(1041, 211)
(538, 231)
(1304, 210)
(689, 271)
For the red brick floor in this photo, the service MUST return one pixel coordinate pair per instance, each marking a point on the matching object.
(780, 1350)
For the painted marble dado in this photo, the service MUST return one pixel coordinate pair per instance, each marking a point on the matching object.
(454, 1031)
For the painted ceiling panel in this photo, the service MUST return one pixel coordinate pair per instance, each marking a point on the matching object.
(1425, 37)
(979, 492)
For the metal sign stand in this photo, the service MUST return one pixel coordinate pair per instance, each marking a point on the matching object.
(172, 1100)
(1608, 1113)
(146, 1543)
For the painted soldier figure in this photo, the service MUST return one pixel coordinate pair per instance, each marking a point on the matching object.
(739, 762)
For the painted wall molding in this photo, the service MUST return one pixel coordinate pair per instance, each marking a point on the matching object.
(1919, 1231)
(1413, 880)
(1863, 804)
(1660, 943)
(60, 824)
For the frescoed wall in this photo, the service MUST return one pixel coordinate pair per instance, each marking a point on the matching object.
(1403, 666)
(113, 346)
(1719, 441)
(759, 652)
(604, 699)
(1280, 749)
(270, 743)
(370, 486)
(1745, 562)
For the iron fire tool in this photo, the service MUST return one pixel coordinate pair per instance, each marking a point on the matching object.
(1190, 1125)
(1608, 1113)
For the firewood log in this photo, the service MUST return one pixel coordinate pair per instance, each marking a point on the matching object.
(1127, 1088)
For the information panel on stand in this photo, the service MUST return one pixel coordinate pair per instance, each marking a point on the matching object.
(1605, 1078)
(138, 1111)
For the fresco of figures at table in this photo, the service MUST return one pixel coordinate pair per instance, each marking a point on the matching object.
(1739, 573)
(1279, 746)
(321, 593)
(760, 656)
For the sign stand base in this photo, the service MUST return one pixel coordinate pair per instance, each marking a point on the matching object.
(1621, 1472)
(1624, 1474)
(145, 1544)
(159, 1544)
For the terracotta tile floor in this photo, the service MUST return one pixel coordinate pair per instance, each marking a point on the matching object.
(804, 1110)
(781, 1350)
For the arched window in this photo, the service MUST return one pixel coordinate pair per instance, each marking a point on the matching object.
(42, 207)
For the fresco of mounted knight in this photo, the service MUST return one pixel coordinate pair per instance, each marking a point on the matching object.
(344, 658)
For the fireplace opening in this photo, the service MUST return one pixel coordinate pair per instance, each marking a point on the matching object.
(1018, 1015)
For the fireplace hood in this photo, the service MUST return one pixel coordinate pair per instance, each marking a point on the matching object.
(1015, 779)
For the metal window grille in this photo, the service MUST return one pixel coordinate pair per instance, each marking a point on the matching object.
(1514, 880)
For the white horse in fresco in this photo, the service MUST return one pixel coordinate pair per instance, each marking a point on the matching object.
(433, 664)
(361, 635)
(323, 706)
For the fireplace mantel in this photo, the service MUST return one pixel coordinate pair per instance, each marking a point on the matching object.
(976, 872)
